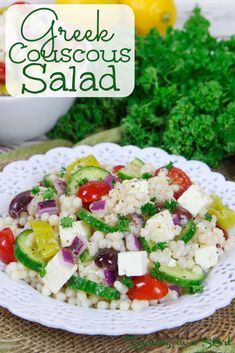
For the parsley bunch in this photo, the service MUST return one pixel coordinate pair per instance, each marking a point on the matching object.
(183, 102)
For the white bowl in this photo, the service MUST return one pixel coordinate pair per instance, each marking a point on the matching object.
(27, 303)
(25, 118)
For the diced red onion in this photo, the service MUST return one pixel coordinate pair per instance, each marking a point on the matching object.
(176, 219)
(183, 221)
(77, 247)
(175, 288)
(67, 256)
(132, 243)
(98, 206)
(110, 180)
(137, 219)
(60, 186)
(109, 277)
(48, 206)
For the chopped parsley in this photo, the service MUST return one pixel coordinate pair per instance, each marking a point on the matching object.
(170, 205)
(123, 224)
(62, 172)
(150, 247)
(208, 217)
(48, 194)
(193, 289)
(114, 182)
(159, 246)
(82, 182)
(147, 176)
(66, 222)
(127, 281)
(149, 209)
(35, 190)
(155, 270)
(169, 166)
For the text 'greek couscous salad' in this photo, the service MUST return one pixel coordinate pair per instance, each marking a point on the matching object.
(123, 237)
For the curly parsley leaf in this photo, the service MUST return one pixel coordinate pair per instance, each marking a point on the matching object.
(66, 222)
(208, 217)
(82, 182)
(128, 282)
(35, 190)
(62, 172)
(170, 205)
(159, 246)
(123, 224)
(149, 209)
(147, 176)
(169, 166)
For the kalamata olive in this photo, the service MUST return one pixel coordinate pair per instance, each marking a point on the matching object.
(182, 212)
(107, 258)
(19, 203)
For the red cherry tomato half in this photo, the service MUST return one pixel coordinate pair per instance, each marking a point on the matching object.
(20, 3)
(93, 191)
(7, 245)
(2, 73)
(147, 288)
(116, 168)
(179, 177)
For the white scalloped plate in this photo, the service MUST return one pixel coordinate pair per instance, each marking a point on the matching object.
(25, 302)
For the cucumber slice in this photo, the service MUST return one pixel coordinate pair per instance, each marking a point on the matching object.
(187, 232)
(90, 287)
(85, 173)
(87, 217)
(178, 276)
(132, 170)
(26, 255)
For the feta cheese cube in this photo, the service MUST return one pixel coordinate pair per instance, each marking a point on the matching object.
(58, 273)
(137, 186)
(79, 228)
(206, 257)
(194, 200)
(159, 228)
(132, 263)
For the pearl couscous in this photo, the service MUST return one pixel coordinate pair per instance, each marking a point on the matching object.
(123, 237)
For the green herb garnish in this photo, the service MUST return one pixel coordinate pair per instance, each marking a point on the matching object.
(150, 246)
(62, 172)
(82, 182)
(147, 176)
(169, 166)
(184, 104)
(127, 281)
(123, 224)
(159, 246)
(48, 194)
(193, 289)
(66, 222)
(35, 190)
(170, 205)
(208, 217)
(149, 209)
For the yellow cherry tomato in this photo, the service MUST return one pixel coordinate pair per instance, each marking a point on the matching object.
(225, 216)
(45, 243)
(159, 14)
(86, 1)
(88, 161)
